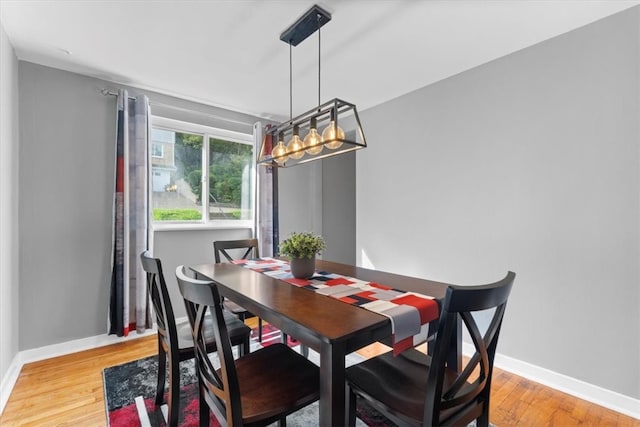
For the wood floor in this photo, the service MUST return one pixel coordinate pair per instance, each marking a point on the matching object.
(68, 391)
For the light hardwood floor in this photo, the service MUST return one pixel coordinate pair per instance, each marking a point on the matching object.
(68, 391)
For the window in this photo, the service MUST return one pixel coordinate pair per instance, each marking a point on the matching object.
(199, 163)
(157, 150)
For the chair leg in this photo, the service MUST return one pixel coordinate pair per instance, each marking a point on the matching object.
(162, 372)
(282, 422)
(244, 348)
(204, 408)
(483, 419)
(351, 408)
(173, 400)
(259, 329)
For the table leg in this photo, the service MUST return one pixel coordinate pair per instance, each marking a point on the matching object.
(332, 385)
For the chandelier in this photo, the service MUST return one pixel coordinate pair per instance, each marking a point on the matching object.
(327, 130)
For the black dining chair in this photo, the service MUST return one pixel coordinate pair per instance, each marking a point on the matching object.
(233, 250)
(174, 339)
(415, 389)
(258, 388)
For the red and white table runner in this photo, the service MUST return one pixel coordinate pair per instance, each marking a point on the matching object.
(409, 312)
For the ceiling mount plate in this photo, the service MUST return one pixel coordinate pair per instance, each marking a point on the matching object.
(306, 25)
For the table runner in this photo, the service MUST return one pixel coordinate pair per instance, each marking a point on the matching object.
(409, 312)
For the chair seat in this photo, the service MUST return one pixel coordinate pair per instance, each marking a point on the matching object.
(398, 381)
(291, 381)
(235, 327)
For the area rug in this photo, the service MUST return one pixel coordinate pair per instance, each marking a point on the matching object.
(129, 391)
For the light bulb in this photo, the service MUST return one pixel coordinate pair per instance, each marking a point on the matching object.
(313, 142)
(295, 144)
(279, 153)
(332, 134)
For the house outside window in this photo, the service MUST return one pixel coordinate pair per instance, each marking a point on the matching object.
(204, 176)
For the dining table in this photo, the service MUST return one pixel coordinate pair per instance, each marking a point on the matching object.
(329, 326)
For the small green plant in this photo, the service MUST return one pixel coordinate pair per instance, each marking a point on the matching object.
(302, 245)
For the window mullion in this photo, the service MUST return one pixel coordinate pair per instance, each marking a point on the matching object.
(205, 178)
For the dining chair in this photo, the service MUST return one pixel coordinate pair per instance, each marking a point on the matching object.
(258, 388)
(174, 338)
(246, 248)
(416, 389)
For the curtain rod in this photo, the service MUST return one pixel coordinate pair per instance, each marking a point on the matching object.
(107, 92)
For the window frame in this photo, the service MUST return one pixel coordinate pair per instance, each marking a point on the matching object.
(207, 133)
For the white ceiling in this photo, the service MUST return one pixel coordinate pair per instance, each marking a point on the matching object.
(228, 53)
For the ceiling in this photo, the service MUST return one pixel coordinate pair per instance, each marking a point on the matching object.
(228, 53)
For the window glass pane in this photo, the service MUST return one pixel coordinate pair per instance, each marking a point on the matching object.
(157, 150)
(230, 183)
(176, 176)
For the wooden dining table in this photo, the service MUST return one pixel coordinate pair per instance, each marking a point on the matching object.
(329, 326)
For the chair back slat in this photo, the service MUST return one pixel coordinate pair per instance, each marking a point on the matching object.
(451, 389)
(220, 387)
(221, 247)
(479, 364)
(161, 302)
(206, 367)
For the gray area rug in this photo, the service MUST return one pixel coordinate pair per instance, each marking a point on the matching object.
(135, 381)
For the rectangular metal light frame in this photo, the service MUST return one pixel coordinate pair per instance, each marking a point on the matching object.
(346, 116)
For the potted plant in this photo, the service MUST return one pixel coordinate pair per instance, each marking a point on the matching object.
(302, 248)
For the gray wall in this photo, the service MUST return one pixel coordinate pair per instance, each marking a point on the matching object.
(321, 197)
(9, 243)
(67, 134)
(176, 248)
(299, 194)
(339, 207)
(529, 163)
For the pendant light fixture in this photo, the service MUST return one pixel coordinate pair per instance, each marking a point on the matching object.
(338, 119)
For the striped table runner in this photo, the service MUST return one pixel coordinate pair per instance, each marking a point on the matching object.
(409, 312)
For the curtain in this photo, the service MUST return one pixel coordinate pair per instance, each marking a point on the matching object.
(267, 189)
(128, 308)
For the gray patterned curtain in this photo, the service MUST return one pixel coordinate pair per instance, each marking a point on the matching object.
(129, 309)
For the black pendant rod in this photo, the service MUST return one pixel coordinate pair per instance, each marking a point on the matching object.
(318, 21)
(290, 84)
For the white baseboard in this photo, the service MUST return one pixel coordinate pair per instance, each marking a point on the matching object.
(54, 350)
(8, 381)
(578, 388)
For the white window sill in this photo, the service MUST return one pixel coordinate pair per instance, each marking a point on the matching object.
(214, 225)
